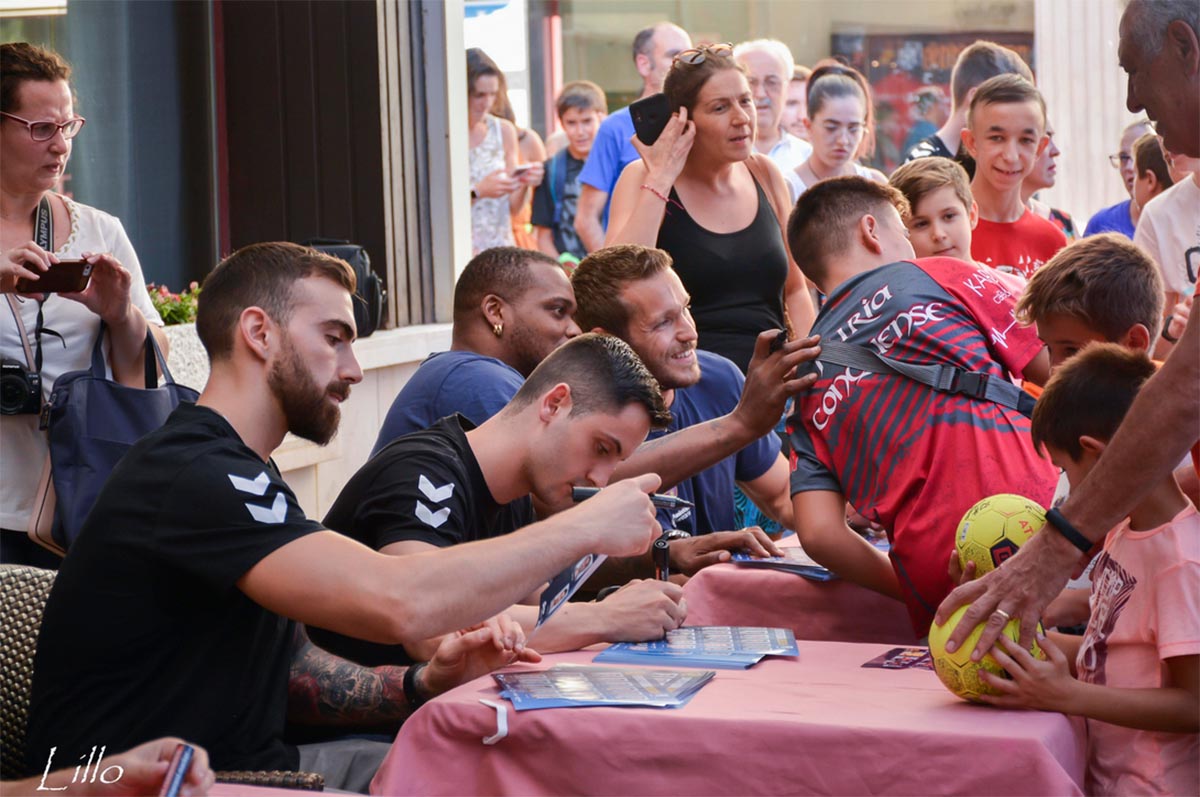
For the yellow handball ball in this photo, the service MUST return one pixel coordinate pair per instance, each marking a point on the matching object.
(992, 530)
(956, 670)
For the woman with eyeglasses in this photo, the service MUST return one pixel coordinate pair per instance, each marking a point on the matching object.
(837, 122)
(702, 194)
(39, 228)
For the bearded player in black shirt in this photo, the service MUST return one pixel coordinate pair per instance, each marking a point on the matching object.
(176, 612)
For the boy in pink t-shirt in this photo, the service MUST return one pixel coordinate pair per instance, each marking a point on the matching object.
(1137, 667)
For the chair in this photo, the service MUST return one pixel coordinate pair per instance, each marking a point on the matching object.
(23, 593)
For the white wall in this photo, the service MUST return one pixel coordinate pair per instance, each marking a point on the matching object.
(1076, 53)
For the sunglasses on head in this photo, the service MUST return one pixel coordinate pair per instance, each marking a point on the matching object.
(696, 55)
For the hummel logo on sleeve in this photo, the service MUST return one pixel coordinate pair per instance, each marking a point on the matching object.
(435, 494)
(256, 486)
(431, 519)
(275, 514)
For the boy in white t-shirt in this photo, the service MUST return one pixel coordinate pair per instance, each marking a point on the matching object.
(1169, 230)
(1137, 668)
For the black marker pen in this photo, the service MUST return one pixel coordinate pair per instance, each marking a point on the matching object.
(661, 501)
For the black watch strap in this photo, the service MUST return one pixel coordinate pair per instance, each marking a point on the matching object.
(411, 693)
(1064, 527)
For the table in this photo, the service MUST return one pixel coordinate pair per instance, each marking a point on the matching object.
(818, 723)
(835, 611)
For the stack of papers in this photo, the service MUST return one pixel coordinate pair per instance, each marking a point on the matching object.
(566, 685)
(722, 646)
(794, 560)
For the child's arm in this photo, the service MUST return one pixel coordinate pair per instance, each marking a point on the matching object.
(1048, 685)
(1069, 608)
(545, 241)
(820, 518)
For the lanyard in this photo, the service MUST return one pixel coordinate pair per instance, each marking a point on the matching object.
(43, 232)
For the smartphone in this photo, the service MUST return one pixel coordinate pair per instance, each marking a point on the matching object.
(650, 117)
(521, 169)
(177, 770)
(65, 276)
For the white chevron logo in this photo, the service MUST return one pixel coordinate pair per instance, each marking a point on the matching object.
(275, 514)
(257, 486)
(432, 519)
(435, 494)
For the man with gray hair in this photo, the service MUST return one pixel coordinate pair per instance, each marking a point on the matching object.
(654, 50)
(1160, 50)
(769, 66)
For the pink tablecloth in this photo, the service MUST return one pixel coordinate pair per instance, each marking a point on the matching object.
(819, 723)
(834, 611)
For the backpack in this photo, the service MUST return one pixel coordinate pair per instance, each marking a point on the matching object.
(556, 181)
(370, 297)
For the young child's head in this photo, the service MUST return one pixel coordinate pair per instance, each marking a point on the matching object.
(1005, 132)
(1103, 289)
(580, 107)
(848, 219)
(941, 210)
(1152, 176)
(1084, 403)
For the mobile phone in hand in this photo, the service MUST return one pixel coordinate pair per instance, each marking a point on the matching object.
(650, 116)
(521, 169)
(65, 276)
(177, 771)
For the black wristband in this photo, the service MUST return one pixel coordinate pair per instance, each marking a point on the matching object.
(411, 693)
(1064, 527)
(1166, 335)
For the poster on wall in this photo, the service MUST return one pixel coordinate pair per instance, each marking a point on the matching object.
(910, 77)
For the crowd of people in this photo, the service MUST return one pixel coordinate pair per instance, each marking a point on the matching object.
(739, 314)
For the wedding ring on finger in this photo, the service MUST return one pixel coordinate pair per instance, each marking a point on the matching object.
(1003, 614)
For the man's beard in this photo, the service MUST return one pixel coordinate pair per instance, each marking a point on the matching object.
(305, 406)
(527, 350)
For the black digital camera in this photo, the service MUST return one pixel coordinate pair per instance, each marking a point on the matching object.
(20, 389)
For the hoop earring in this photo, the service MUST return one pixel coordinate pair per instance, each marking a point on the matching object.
(497, 329)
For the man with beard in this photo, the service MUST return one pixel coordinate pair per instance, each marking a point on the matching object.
(633, 292)
(512, 307)
(176, 612)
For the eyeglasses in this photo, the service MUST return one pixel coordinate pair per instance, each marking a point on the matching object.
(696, 55)
(44, 131)
(1120, 159)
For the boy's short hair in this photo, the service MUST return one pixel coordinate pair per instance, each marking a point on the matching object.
(259, 275)
(1148, 157)
(980, 61)
(1089, 395)
(801, 72)
(1103, 281)
(823, 221)
(582, 95)
(604, 374)
(923, 176)
(600, 278)
(1006, 89)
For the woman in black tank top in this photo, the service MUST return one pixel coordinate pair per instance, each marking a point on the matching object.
(697, 195)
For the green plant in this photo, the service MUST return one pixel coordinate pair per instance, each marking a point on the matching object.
(175, 308)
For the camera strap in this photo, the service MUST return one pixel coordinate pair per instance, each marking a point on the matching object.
(16, 311)
(43, 232)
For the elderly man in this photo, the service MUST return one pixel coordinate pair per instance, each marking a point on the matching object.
(1160, 50)
(654, 50)
(769, 66)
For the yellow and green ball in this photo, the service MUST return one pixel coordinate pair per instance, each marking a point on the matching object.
(956, 670)
(995, 528)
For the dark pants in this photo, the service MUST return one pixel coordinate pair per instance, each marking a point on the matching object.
(17, 549)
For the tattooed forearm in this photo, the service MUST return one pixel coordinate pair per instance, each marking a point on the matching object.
(324, 689)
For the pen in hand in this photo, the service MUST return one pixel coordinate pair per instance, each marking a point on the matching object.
(661, 501)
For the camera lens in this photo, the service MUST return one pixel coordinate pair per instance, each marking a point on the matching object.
(12, 394)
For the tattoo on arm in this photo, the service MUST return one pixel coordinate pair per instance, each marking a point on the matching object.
(324, 689)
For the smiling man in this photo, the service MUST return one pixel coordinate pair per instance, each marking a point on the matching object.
(1159, 50)
(179, 608)
(769, 67)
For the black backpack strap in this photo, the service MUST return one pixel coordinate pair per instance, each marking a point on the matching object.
(941, 377)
